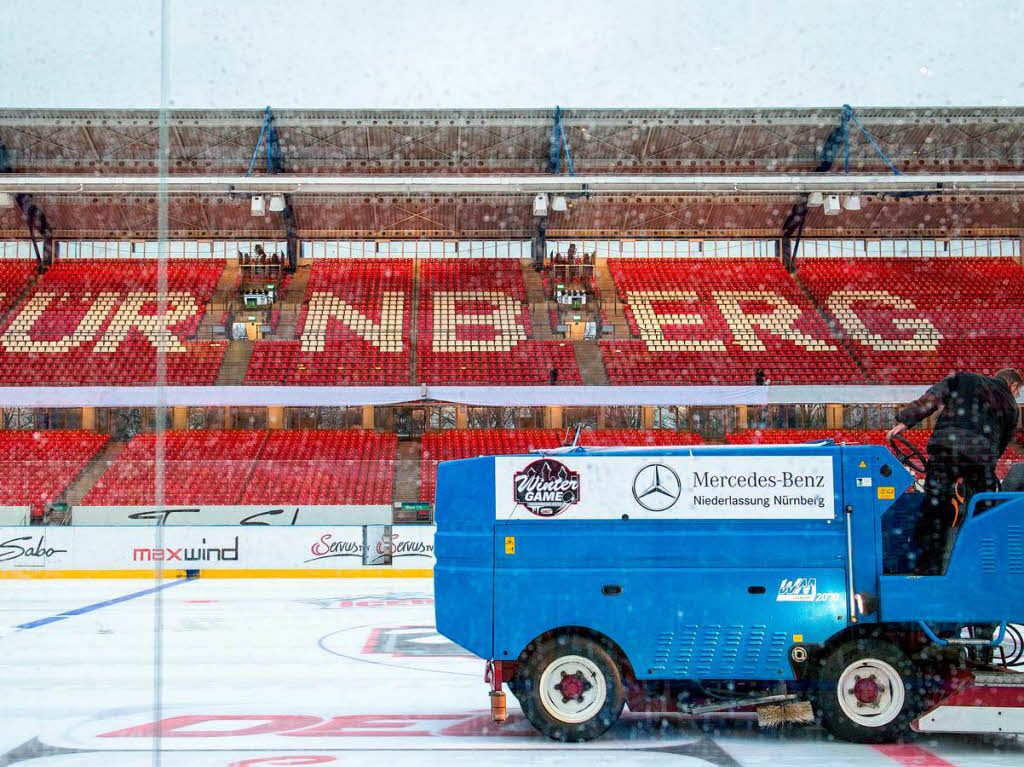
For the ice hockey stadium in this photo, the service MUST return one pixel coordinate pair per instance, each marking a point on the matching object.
(236, 345)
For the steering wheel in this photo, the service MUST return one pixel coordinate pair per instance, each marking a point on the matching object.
(908, 454)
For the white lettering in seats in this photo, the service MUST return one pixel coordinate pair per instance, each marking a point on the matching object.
(503, 315)
(652, 325)
(926, 336)
(385, 334)
(779, 321)
(136, 311)
(17, 337)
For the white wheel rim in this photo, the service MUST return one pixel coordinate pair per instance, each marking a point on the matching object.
(871, 692)
(587, 679)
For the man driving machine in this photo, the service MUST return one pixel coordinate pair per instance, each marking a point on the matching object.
(978, 418)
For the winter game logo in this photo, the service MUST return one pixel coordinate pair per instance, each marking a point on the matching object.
(546, 487)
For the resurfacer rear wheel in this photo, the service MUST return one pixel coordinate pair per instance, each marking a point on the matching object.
(864, 692)
(570, 688)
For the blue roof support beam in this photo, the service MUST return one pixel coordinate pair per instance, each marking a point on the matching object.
(793, 227)
(275, 165)
(556, 143)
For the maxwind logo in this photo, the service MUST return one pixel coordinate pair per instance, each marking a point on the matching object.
(202, 553)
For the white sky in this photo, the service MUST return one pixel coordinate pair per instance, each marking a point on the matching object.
(514, 53)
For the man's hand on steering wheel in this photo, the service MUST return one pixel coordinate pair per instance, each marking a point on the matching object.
(899, 428)
(905, 451)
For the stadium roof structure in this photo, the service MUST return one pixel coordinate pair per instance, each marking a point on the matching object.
(473, 173)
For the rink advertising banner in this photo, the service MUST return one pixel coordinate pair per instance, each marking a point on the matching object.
(665, 487)
(231, 515)
(290, 550)
(14, 515)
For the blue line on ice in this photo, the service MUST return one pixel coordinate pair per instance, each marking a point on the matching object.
(98, 605)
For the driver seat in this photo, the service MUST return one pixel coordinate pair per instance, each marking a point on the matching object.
(1014, 481)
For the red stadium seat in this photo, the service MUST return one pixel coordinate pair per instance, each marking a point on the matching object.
(95, 322)
(191, 473)
(474, 328)
(253, 467)
(38, 466)
(14, 278)
(353, 327)
(916, 320)
(323, 467)
(469, 443)
(718, 322)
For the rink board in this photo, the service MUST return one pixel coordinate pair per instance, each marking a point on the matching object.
(227, 551)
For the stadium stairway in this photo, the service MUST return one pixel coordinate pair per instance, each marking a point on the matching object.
(295, 290)
(837, 332)
(290, 304)
(19, 303)
(414, 326)
(540, 323)
(590, 363)
(83, 483)
(610, 304)
(406, 483)
(235, 364)
(227, 285)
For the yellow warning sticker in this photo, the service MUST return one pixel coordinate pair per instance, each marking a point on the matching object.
(798, 637)
(863, 465)
(886, 493)
(510, 544)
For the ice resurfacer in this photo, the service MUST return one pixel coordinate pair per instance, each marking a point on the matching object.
(711, 578)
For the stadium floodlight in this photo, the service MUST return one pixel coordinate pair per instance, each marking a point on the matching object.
(540, 205)
(851, 202)
(558, 203)
(276, 203)
(259, 205)
(815, 199)
(831, 205)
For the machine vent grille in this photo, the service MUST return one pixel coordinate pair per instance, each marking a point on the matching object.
(987, 553)
(731, 643)
(754, 647)
(707, 649)
(721, 651)
(1015, 549)
(777, 649)
(663, 650)
(685, 646)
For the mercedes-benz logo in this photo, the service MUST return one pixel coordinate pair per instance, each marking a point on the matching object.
(656, 487)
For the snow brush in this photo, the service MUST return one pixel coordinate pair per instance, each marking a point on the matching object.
(789, 712)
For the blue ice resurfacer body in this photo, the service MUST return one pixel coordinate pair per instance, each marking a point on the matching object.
(707, 563)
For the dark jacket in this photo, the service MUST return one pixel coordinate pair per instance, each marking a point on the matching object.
(979, 415)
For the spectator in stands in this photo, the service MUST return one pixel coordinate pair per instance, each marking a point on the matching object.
(553, 377)
(759, 377)
(572, 253)
(978, 418)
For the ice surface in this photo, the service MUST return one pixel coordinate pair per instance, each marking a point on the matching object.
(296, 672)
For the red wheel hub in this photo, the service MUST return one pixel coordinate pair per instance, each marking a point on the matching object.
(866, 690)
(571, 687)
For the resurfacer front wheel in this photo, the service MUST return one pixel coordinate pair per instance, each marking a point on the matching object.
(570, 688)
(863, 692)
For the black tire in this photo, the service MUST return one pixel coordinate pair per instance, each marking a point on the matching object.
(541, 705)
(892, 691)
